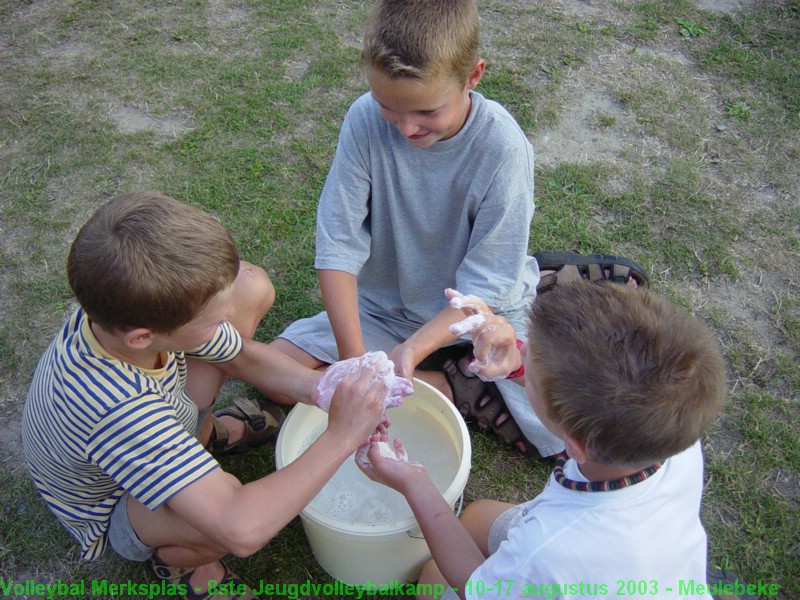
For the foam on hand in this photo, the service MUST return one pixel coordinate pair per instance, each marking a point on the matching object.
(474, 322)
(398, 387)
(385, 449)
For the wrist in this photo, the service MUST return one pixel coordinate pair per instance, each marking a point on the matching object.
(520, 372)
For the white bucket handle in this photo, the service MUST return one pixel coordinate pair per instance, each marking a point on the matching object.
(459, 506)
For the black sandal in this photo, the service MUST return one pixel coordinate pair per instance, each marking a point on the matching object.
(262, 423)
(597, 268)
(482, 401)
(229, 587)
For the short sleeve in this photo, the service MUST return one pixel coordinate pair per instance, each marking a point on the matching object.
(143, 446)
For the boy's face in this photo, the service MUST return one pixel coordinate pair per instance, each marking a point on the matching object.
(424, 112)
(203, 327)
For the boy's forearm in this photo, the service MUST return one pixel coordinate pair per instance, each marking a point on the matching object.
(273, 373)
(243, 518)
(455, 552)
(340, 295)
(435, 333)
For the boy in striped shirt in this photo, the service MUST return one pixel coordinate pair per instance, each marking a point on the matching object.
(118, 417)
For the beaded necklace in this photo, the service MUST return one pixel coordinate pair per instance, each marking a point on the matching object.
(599, 486)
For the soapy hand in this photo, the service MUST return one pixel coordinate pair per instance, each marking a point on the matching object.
(493, 337)
(398, 387)
(387, 463)
(384, 450)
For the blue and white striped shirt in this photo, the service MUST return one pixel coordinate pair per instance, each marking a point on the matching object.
(94, 427)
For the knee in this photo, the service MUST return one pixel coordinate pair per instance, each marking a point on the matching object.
(431, 580)
(258, 286)
(475, 510)
(254, 295)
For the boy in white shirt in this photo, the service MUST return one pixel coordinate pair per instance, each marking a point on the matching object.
(629, 381)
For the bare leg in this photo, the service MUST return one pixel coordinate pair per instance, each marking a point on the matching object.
(437, 380)
(478, 518)
(299, 355)
(177, 542)
(430, 575)
(253, 296)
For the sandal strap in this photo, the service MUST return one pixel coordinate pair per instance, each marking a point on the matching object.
(167, 572)
(262, 423)
(596, 268)
(229, 582)
(252, 412)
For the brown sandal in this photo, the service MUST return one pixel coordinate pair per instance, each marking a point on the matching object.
(482, 401)
(597, 268)
(231, 587)
(261, 426)
(167, 572)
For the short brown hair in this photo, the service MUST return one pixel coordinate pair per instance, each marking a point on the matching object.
(147, 260)
(421, 39)
(629, 374)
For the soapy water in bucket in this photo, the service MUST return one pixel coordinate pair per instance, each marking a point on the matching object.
(353, 498)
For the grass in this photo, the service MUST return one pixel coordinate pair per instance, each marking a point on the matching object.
(240, 103)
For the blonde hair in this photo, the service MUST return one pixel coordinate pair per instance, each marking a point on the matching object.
(147, 260)
(631, 375)
(422, 39)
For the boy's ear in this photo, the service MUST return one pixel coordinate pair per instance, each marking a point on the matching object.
(139, 338)
(576, 449)
(475, 75)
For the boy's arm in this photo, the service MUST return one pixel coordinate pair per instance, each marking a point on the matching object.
(453, 548)
(243, 518)
(431, 336)
(340, 295)
(272, 372)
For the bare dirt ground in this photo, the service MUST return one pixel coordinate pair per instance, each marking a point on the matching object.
(746, 306)
(576, 139)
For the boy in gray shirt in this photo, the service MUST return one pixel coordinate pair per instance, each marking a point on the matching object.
(431, 187)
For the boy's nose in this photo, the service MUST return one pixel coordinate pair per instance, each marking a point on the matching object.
(406, 127)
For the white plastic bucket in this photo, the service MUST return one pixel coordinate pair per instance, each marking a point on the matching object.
(390, 553)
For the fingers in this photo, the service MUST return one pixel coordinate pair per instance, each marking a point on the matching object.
(469, 325)
(493, 337)
(469, 304)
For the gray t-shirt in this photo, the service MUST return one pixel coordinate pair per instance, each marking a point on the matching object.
(410, 222)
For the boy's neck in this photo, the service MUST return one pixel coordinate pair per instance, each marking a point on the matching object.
(594, 471)
(116, 347)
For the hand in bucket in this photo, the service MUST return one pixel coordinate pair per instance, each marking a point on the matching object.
(387, 463)
(493, 338)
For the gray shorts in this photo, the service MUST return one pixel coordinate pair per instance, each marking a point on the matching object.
(315, 336)
(123, 538)
(121, 535)
(498, 532)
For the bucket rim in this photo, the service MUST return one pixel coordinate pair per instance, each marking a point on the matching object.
(454, 489)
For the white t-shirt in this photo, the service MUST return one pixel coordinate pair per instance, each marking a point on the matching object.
(642, 541)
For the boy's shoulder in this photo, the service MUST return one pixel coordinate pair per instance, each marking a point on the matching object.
(76, 363)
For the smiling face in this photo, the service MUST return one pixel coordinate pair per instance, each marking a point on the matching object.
(423, 111)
